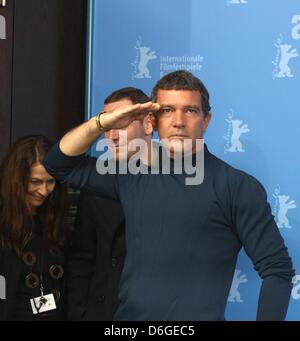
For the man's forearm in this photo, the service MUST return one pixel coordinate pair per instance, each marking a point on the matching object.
(78, 140)
(274, 299)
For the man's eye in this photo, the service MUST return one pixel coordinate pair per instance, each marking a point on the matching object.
(165, 110)
(192, 111)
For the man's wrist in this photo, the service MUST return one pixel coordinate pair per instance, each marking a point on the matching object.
(98, 122)
(97, 118)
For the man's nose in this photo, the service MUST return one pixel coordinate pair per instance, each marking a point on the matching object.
(178, 119)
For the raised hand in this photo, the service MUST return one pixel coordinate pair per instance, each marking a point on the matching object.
(121, 118)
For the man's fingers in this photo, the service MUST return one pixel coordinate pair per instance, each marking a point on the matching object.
(150, 106)
(137, 108)
(130, 110)
(123, 117)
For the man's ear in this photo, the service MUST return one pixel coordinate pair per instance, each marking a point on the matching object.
(149, 123)
(207, 120)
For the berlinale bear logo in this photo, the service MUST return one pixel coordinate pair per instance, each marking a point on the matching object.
(296, 28)
(286, 52)
(282, 205)
(235, 295)
(143, 57)
(296, 289)
(235, 129)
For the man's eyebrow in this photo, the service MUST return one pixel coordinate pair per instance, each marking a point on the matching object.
(185, 106)
(166, 105)
(193, 106)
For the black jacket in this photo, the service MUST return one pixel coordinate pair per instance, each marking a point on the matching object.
(16, 305)
(95, 259)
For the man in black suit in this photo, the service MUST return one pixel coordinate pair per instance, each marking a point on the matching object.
(97, 250)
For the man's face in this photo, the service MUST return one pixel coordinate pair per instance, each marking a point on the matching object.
(136, 130)
(180, 117)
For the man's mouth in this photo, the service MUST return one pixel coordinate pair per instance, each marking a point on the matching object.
(178, 136)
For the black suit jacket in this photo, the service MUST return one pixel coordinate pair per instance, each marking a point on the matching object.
(95, 259)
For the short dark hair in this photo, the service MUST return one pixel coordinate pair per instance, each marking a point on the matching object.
(134, 94)
(183, 80)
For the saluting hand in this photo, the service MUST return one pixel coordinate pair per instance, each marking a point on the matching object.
(121, 118)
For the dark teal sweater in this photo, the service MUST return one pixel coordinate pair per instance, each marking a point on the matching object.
(183, 241)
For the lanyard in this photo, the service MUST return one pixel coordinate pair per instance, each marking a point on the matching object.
(42, 299)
